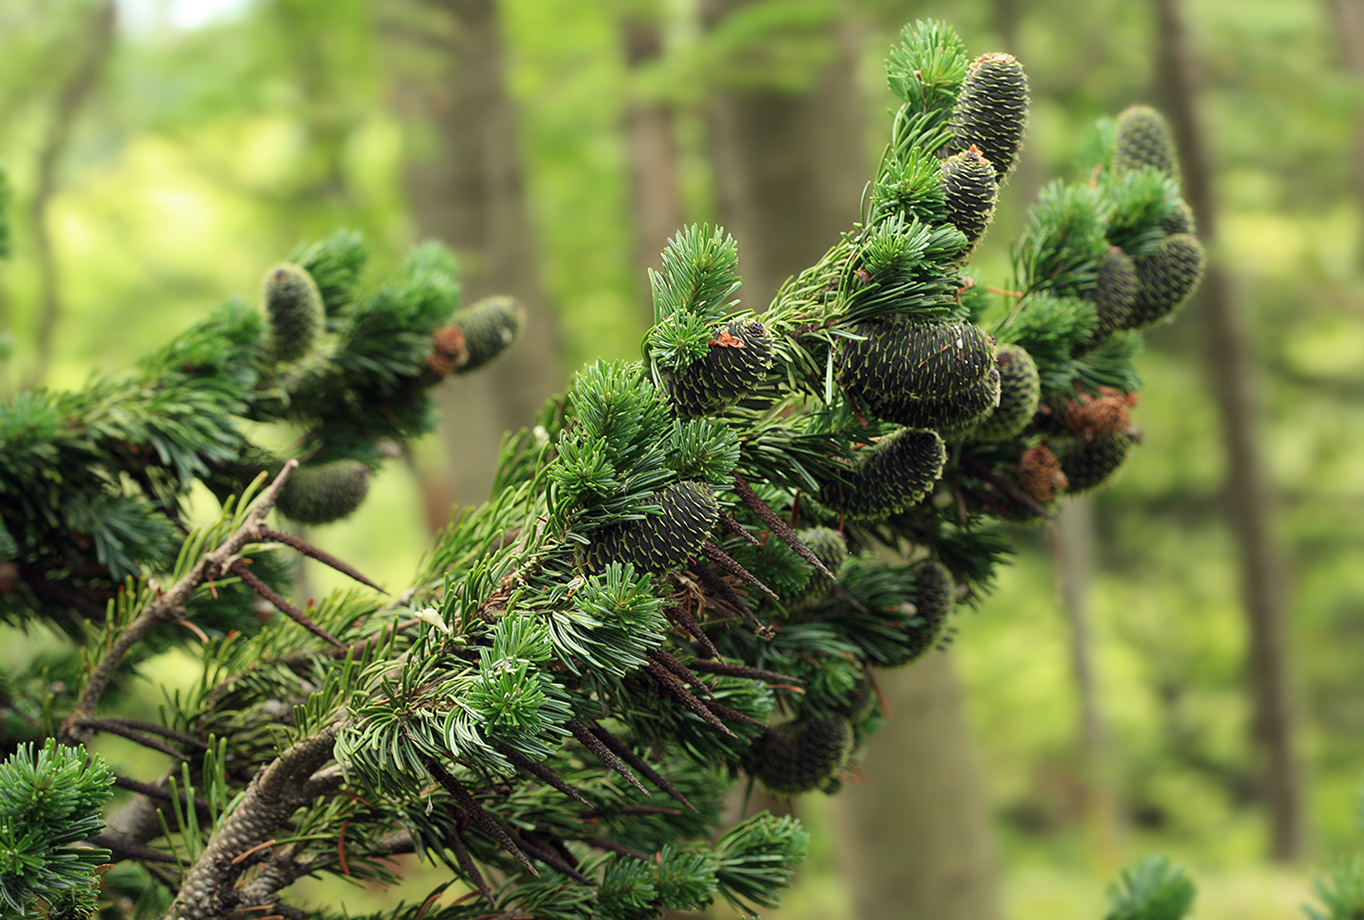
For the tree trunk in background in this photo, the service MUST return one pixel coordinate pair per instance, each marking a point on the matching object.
(1247, 491)
(1346, 19)
(915, 836)
(466, 188)
(790, 172)
(75, 91)
(789, 169)
(1074, 552)
(653, 152)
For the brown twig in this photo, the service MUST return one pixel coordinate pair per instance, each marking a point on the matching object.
(114, 727)
(603, 753)
(242, 571)
(541, 771)
(779, 527)
(322, 556)
(741, 670)
(1010, 489)
(476, 812)
(737, 529)
(728, 564)
(171, 605)
(622, 750)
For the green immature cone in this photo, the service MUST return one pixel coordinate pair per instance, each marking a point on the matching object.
(896, 472)
(899, 361)
(659, 543)
(972, 188)
(800, 756)
(1113, 294)
(739, 357)
(934, 597)
(1090, 462)
(324, 492)
(1143, 138)
(992, 111)
(293, 307)
(1020, 390)
(1167, 277)
(953, 414)
(831, 548)
(488, 327)
(1181, 221)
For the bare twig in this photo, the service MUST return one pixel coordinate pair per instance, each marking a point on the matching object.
(171, 605)
(240, 569)
(322, 556)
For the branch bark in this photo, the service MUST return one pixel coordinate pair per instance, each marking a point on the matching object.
(275, 793)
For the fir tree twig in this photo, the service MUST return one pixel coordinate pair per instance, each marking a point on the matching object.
(171, 604)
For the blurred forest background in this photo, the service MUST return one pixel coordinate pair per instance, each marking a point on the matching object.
(1176, 667)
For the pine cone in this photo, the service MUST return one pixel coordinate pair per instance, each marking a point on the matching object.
(739, 357)
(1020, 389)
(898, 361)
(1143, 139)
(488, 327)
(1181, 221)
(659, 543)
(896, 472)
(951, 415)
(992, 111)
(1089, 462)
(801, 755)
(324, 492)
(293, 307)
(972, 188)
(1168, 276)
(1113, 295)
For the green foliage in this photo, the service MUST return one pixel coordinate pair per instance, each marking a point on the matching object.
(757, 858)
(6, 202)
(599, 634)
(1340, 891)
(1154, 889)
(49, 801)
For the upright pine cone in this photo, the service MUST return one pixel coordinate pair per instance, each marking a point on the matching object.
(896, 472)
(1181, 221)
(1167, 277)
(1143, 138)
(1089, 462)
(293, 307)
(897, 362)
(972, 188)
(934, 598)
(659, 543)
(738, 359)
(487, 328)
(949, 415)
(992, 111)
(800, 756)
(1020, 390)
(324, 492)
(1112, 295)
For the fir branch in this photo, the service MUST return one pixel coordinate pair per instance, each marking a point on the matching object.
(274, 794)
(171, 604)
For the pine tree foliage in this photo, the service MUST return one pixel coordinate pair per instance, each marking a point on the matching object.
(673, 587)
(1154, 889)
